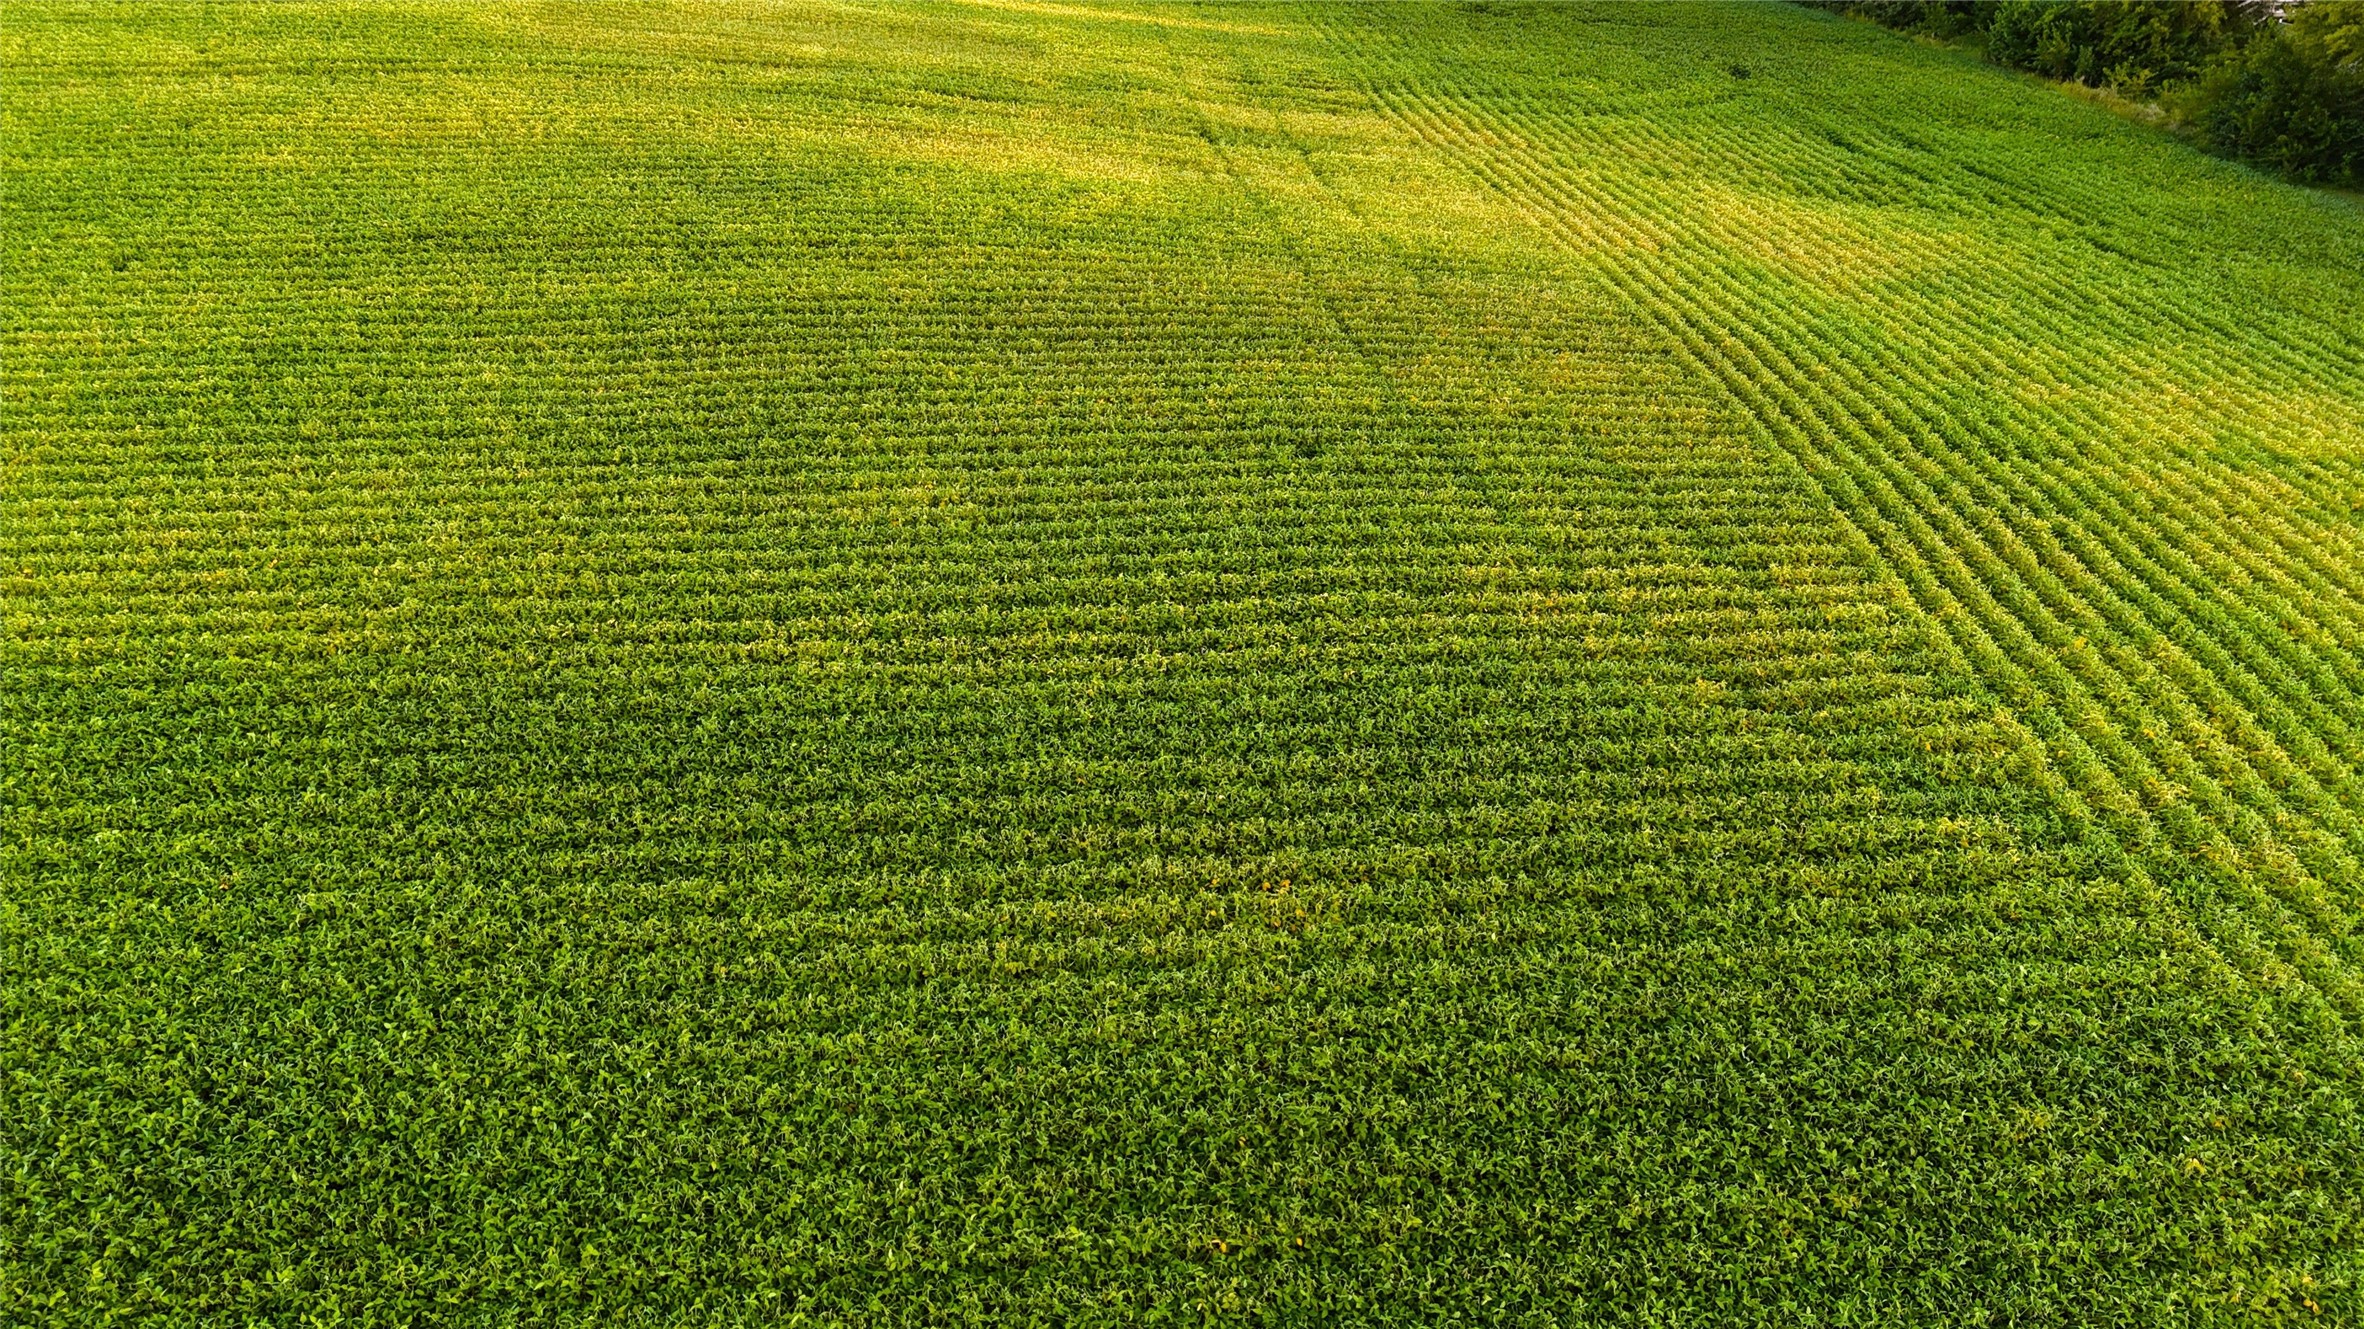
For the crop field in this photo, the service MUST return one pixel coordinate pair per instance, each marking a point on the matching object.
(1012, 662)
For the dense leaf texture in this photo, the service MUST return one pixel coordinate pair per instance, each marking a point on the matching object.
(2294, 100)
(1025, 664)
(2280, 84)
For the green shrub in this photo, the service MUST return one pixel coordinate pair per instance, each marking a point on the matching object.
(2294, 99)
(2284, 90)
(2134, 46)
(2334, 28)
(1942, 18)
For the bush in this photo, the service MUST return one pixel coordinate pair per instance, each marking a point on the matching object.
(2334, 28)
(1943, 18)
(2293, 99)
(2283, 89)
(2135, 46)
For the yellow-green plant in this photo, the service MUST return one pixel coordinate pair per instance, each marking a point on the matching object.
(1039, 663)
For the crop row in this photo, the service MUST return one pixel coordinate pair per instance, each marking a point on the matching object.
(2166, 620)
(924, 664)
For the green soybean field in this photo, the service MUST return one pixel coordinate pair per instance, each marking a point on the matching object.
(1035, 663)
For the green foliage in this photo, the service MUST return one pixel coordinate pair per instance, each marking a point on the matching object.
(2135, 47)
(2331, 32)
(1039, 664)
(1941, 18)
(2293, 100)
(2287, 92)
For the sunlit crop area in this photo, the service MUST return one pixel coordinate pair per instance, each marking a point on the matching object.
(1030, 663)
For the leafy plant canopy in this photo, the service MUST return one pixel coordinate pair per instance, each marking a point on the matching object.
(1039, 663)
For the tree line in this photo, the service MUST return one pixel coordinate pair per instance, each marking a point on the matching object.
(2279, 82)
